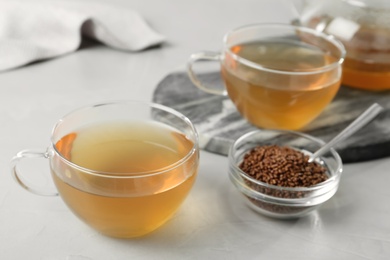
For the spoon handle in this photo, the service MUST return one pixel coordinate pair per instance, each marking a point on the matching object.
(358, 123)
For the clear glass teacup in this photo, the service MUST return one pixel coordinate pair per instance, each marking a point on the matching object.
(123, 168)
(278, 76)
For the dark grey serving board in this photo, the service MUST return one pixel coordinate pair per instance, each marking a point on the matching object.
(219, 123)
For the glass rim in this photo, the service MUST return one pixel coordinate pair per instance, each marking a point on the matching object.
(336, 174)
(327, 37)
(116, 175)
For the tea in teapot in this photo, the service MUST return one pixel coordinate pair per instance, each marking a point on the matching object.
(363, 26)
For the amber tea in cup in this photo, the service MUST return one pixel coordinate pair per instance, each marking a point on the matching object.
(278, 76)
(364, 29)
(124, 168)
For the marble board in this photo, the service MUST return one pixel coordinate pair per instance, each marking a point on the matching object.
(219, 123)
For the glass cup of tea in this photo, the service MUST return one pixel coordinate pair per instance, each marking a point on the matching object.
(278, 76)
(123, 168)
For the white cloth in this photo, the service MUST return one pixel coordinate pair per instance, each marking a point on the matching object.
(31, 31)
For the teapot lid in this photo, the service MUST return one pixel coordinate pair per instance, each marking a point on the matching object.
(375, 4)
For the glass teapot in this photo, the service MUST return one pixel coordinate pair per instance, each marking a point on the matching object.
(363, 26)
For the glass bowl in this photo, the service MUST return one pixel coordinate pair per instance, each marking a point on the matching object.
(276, 201)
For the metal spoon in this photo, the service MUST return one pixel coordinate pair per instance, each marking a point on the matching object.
(358, 123)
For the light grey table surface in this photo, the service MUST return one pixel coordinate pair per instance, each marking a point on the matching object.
(213, 223)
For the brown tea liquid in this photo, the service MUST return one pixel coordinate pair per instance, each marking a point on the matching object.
(367, 63)
(280, 100)
(125, 207)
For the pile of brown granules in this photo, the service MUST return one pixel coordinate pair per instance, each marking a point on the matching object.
(282, 166)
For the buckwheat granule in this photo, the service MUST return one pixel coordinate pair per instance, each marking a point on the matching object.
(282, 166)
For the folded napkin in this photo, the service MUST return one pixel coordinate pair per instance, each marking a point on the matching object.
(31, 31)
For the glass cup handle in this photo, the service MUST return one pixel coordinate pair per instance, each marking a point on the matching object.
(203, 56)
(28, 154)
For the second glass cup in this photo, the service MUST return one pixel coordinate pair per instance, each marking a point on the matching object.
(278, 76)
